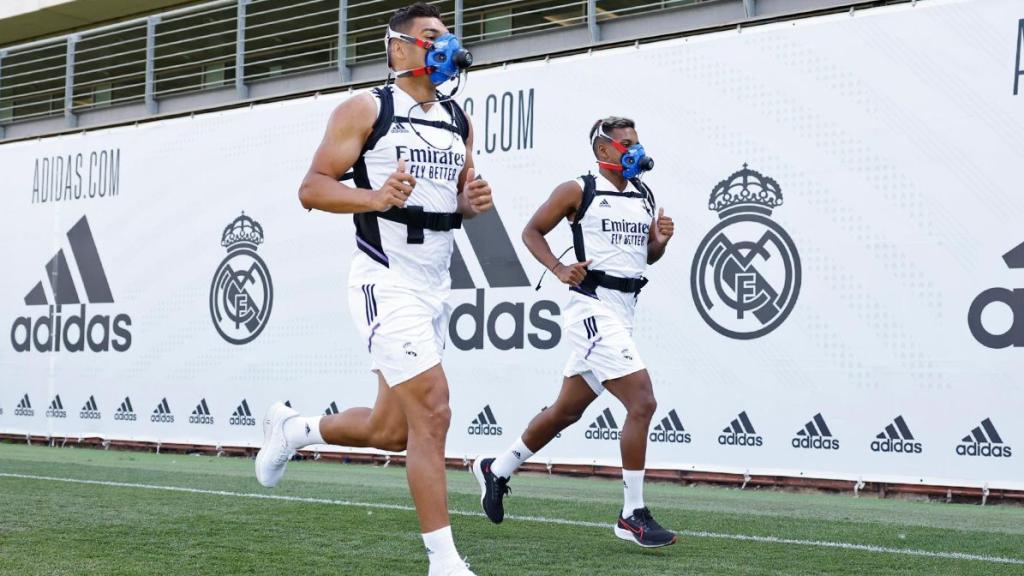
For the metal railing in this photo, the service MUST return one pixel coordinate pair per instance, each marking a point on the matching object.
(226, 44)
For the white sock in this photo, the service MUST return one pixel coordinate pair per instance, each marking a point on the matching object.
(511, 460)
(633, 480)
(441, 547)
(302, 431)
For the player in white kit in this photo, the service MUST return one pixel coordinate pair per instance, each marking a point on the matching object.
(615, 236)
(408, 154)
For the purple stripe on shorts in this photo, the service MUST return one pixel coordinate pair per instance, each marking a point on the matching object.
(591, 349)
(366, 305)
(369, 341)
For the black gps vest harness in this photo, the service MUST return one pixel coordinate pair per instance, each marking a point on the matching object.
(415, 218)
(595, 278)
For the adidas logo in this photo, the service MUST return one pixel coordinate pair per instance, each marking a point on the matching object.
(896, 438)
(604, 203)
(78, 330)
(56, 409)
(125, 413)
(740, 433)
(332, 409)
(815, 435)
(984, 441)
(162, 413)
(399, 128)
(670, 430)
(473, 323)
(90, 411)
(201, 415)
(604, 428)
(24, 407)
(485, 424)
(242, 416)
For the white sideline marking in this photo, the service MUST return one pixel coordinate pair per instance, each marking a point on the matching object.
(540, 519)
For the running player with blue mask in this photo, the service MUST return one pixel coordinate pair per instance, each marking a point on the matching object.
(407, 151)
(616, 235)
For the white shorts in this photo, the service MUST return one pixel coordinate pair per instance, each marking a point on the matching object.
(602, 350)
(404, 331)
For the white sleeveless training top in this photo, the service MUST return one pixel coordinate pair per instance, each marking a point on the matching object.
(615, 230)
(383, 254)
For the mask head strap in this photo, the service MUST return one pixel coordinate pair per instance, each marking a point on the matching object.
(618, 146)
(425, 44)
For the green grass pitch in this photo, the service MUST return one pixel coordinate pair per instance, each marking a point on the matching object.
(141, 513)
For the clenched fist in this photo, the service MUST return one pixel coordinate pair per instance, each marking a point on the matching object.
(663, 227)
(478, 193)
(395, 191)
(572, 274)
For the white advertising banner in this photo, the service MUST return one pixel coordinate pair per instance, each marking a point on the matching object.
(843, 298)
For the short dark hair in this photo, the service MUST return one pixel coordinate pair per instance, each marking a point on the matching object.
(403, 17)
(608, 124)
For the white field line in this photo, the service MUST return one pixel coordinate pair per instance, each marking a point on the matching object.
(540, 519)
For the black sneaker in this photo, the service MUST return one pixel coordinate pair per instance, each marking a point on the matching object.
(643, 529)
(492, 490)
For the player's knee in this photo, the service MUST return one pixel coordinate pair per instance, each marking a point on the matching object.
(643, 408)
(435, 419)
(569, 416)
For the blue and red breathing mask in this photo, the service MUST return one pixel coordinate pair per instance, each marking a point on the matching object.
(634, 161)
(445, 59)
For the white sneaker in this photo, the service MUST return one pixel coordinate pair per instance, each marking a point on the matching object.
(457, 569)
(274, 455)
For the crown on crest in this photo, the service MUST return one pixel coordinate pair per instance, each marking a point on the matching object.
(746, 187)
(244, 230)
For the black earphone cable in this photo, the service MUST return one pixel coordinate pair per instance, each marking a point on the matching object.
(537, 287)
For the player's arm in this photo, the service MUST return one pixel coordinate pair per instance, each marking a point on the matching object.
(562, 203)
(347, 130)
(662, 229)
(474, 193)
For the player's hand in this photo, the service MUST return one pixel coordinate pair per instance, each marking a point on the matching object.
(478, 193)
(572, 274)
(664, 228)
(395, 191)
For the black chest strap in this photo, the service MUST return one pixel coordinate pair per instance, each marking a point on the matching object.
(595, 278)
(415, 218)
(416, 221)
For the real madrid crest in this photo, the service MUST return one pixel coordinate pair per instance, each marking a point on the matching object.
(746, 273)
(242, 294)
